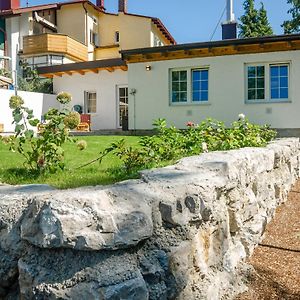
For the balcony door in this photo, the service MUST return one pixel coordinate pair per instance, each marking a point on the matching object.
(122, 106)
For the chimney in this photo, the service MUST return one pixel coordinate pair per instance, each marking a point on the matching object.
(123, 6)
(9, 4)
(229, 28)
(100, 3)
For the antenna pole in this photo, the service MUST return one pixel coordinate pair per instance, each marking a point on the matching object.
(230, 14)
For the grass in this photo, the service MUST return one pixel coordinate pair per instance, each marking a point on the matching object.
(13, 172)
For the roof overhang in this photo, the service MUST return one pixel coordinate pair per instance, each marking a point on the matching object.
(217, 48)
(82, 68)
(19, 11)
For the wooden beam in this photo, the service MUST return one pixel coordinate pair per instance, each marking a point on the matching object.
(109, 69)
(124, 68)
(80, 72)
(70, 73)
(96, 71)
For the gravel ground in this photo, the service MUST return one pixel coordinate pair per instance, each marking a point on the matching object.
(277, 259)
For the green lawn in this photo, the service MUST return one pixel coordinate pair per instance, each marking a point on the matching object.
(12, 171)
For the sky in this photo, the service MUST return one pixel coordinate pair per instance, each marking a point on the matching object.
(192, 20)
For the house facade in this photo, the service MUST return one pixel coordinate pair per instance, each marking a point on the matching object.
(74, 31)
(258, 77)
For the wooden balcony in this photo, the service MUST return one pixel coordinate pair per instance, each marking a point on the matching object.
(56, 44)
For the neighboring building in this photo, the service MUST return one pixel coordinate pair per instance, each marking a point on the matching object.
(99, 85)
(257, 76)
(75, 31)
(2, 42)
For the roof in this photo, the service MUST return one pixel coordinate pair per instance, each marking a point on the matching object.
(160, 26)
(5, 80)
(57, 5)
(83, 67)
(215, 48)
(156, 21)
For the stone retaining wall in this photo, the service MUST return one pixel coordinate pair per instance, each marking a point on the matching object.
(179, 232)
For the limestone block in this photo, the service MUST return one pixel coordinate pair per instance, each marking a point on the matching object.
(86, 220)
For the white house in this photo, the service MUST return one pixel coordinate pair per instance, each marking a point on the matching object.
(257, 76)
(98, 88)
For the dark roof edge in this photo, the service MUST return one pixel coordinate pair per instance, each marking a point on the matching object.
(104, 63)
(221, 43)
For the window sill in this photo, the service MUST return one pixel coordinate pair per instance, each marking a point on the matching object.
(267, 101)
(207, 103)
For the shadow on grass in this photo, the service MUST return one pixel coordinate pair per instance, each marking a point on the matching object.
(17, 175)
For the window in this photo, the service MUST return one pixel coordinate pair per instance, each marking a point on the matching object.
(157, 42)
(267, 82)
(117, 37)
(94, 38)
(200, 85)
(179, 86)
(90, 102)
(189, 86)
(279, 81)
(256, 82)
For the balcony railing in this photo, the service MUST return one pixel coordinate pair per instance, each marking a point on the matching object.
(55, 43)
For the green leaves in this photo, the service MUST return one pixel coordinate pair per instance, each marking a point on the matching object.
(293, 25)
(45, 153)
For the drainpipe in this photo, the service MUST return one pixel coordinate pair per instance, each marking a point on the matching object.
(86, 24)
(5, 41)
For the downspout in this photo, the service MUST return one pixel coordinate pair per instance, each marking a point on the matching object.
(5, 41)
(86, 24)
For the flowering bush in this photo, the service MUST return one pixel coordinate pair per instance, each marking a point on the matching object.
(45, 153)
(81, 145)
(64, 98)
(170, 143)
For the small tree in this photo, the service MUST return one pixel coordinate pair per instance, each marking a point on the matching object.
(45, 153)
(264, 27)
(293, 25)
(254, 23)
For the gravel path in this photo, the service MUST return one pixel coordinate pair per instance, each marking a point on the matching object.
(277, 259)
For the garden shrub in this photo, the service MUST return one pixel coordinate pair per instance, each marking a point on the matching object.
(45, 153)
(170, 143)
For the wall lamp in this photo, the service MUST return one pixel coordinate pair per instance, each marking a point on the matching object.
(148, 68)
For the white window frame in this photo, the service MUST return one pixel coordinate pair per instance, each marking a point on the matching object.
(267, 66)
(189, 86)
(87, 102)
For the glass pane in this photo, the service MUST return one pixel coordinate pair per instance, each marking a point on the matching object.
(204, 85)
(196, 85)
(284, 93)
(274, 71)
(260, 71)
(183, 86)
(204, 96)
(122, 92)
(183, 96)
(196, 75)
(274, 93)
(196, 96)
(204, 75)
(260, 94)
(251, 95)
(251, 83)
(251, 72)
(175, 97)
(183, 75)
(274, 82)
(175, 76)
(284, 71)
(260, 83)
(175, 86)
(284, 82)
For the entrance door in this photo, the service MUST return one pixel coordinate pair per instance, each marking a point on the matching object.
(123, 107)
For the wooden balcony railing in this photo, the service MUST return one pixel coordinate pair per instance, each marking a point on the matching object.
(55, 43)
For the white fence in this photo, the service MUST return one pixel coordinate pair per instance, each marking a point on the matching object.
(39, 103)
